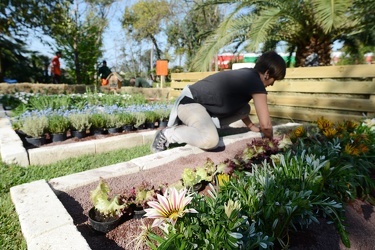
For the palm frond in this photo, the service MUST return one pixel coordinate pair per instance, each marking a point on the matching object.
(222, 37)
(261, 27)
(228, 31)
(332, 14)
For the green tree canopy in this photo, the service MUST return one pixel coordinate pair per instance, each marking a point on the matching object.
(198, 22)
(18, 16)
(144, 21)
(80, 37)
(17, 19)
(307, 26)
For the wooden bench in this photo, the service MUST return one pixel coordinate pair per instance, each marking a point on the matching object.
(335, 92)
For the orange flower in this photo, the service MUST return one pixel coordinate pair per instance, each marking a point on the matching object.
(351, 150)
(361, 137)
(363, 148)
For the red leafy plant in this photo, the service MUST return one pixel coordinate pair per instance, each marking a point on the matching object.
(138, 197)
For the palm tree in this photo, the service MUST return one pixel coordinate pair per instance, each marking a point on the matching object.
(306, 25)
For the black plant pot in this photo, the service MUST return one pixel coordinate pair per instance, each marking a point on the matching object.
(114, 130)
(104, 226)
(150, 125)
(141, 127)
(79, 134)
(138, 213)
(58, 137)
(36, 141)
(163, 124)
(200, 186)
(97, 131)
(127, 128)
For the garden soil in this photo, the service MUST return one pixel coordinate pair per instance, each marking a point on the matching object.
(360, 216)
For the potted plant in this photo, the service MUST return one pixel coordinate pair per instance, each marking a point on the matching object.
(140, 119)
(80, 123)
(114, 123)
(141, 195)
(98, 123)
(198, 177)
(127, 121)
(151, 118)
(58, 125)
(105, 213)
(35, 128)
(163, 116)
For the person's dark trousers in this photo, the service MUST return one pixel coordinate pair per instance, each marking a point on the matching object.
(56, 79)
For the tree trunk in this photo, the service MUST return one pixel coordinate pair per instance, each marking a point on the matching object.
(319, 45)
(158, 51)
(1, 70)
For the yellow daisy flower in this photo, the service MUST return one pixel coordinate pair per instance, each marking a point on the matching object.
(329, 132)
(324, 123)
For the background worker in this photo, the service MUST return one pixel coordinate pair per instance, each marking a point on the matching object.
(55, 68)
(103, 73)
(140, 82)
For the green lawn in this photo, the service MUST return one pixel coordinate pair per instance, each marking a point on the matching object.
(12, 175)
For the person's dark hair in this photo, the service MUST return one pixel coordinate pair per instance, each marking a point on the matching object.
(272, 62)
(58, 52)
(104, 61)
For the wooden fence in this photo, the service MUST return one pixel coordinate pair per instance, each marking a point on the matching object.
(335, 92)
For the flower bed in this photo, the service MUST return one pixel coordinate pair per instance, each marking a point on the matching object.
(40, 116)
(274, 187)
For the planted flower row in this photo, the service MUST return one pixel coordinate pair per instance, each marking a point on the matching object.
(37, 123)
(21, 101)
(57, 114)
(272, 188)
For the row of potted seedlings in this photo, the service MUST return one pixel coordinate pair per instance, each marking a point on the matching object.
(106, 212)
(40, 129)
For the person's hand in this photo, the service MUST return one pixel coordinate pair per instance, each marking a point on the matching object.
(253, 128)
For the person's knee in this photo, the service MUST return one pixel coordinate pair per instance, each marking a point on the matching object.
(210, 142)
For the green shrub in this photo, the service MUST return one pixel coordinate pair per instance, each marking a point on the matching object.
(80, 121)
(127, 118)
(58, 124)
(163, 114)
(151, 116)
(140, 119)
(98, 120)
(113, 120)
(35, 126)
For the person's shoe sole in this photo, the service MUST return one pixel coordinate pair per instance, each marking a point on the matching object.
(152, 147)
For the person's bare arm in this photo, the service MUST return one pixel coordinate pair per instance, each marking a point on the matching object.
(250, 125)
(261, 107)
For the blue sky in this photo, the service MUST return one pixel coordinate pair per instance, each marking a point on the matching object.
(111, 46)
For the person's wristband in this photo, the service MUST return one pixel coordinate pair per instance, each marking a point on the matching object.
(251, 125)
